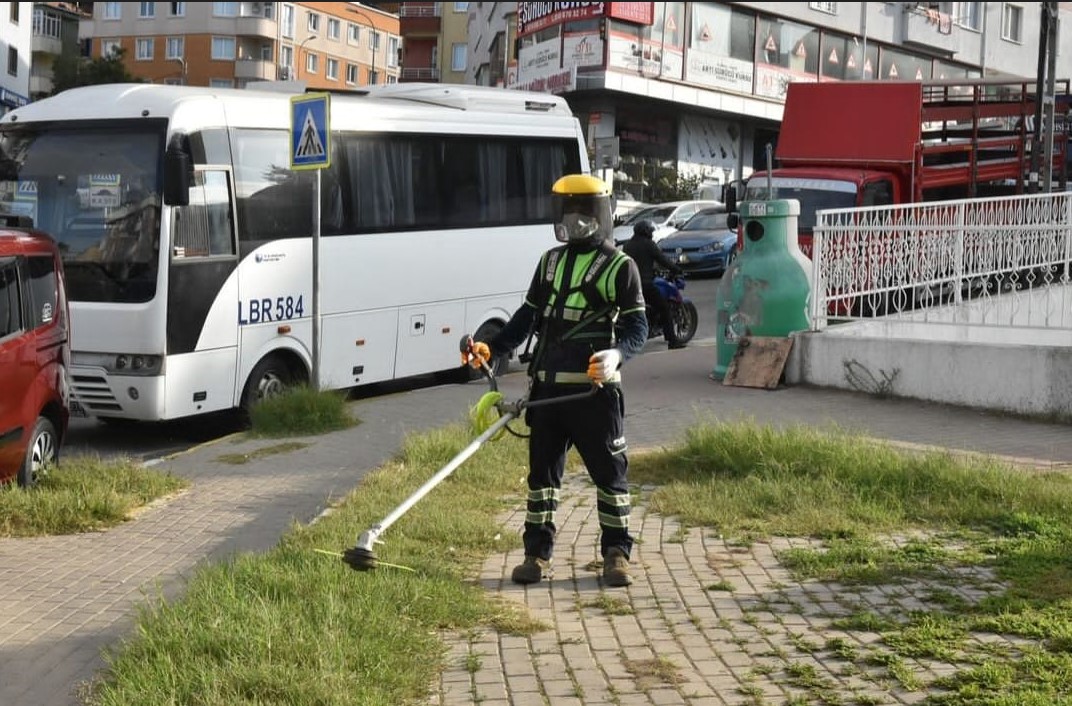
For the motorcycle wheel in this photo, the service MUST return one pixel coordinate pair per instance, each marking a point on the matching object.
(685, 320)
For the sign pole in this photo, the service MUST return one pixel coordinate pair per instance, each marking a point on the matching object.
(310, 139)
(316, 285)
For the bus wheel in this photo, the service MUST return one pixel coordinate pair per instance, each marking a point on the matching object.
(270, 378)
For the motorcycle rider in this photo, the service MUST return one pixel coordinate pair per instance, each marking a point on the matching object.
(642, 248)
(586, 309)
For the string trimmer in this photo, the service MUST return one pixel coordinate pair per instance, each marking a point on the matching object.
(362, 556)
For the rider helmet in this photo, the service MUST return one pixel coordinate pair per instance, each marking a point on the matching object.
(644, 228)
(582, 209)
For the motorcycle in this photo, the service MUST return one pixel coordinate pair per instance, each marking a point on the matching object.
(682, 310)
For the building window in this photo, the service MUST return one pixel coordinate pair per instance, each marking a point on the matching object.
(392, 51)
(459, 54)
(461, 7)
(286, 57)
(373, 77)
(827, 7)
(351, 74)
(113, 10)
(288, 20)
(45, 24)
(334, 29)
(220, 83)
(15, 13)
(13, 61)
(225, 9)
(375, 40)
(147, 9)
(109, 48)
(969, 15)
(353, 33)
(1012, 17)
(312, 63)
(266, 52)
(143, 49)
(332, 69)
(175, 47)
(392, 79)
(223, 48)
(178, 9)
(314, 22)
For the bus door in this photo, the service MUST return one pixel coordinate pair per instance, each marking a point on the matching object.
(202, 307)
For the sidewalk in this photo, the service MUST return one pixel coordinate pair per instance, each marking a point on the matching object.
(64, 598)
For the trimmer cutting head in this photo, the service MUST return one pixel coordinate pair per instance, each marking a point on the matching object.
(359, 559)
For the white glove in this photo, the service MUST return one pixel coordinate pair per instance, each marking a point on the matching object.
(603, 364)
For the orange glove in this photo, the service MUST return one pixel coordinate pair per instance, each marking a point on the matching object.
(476, 353)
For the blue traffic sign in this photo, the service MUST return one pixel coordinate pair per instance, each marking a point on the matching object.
(310, 131)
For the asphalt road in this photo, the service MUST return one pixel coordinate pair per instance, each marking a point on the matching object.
(146, 441)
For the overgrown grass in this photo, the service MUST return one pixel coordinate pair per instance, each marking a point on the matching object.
(82, 494)
(890, 517)
(299, 627)
(301, 411)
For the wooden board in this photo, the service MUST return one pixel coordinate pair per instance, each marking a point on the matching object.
(758, 362)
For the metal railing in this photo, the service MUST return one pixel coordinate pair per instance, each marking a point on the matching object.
(413, 73)
(1003, 261)
(410, 10)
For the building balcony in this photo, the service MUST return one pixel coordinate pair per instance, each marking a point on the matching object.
(255, 26)
(40, 84)
(415, 73)
(417, 19)
(45, 44)
(255, 69)
(930, 29)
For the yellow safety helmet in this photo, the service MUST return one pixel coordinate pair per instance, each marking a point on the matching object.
(583, 213)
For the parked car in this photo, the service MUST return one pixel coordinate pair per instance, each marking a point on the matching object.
(667, 217)
(35, 354)
(704, 245)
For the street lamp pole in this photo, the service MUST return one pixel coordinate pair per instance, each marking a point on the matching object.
(372, 42)
(182, 62)
(297, 56)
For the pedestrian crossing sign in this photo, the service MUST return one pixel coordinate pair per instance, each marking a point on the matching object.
(310, 131)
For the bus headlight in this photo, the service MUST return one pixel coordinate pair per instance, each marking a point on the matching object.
(140, 364)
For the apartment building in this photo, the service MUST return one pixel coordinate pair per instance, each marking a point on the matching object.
(435, 41)
(16, 19)
(55, 32)
(231, 44)
(700, 86)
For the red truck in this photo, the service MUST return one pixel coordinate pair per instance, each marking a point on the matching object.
(874, 143)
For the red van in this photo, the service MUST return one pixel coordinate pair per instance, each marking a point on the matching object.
(35, 353)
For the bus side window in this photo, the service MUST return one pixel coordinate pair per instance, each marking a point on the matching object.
(877, 193)
(205, 227)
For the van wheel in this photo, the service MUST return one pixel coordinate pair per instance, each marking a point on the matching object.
(270, 378)
(42, 453)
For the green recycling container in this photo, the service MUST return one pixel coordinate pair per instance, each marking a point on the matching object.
(766, 290)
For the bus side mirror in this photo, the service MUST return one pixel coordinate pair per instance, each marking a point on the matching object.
(178, 175)
(729, 198)
(733, 220)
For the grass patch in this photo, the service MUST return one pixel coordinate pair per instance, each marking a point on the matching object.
(933, 524)
(650, 673)
(82, 494)
(610, 605)
(298, 627)
(301, 411)
(239, 459)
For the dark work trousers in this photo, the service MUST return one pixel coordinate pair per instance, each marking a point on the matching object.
(595, 427)
(655, 299)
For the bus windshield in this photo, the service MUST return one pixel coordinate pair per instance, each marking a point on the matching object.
(96, 191)
(813, 194)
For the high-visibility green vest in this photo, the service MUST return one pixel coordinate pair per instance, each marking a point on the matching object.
(578, 316)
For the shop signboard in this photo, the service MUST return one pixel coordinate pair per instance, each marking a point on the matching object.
(536, 16)
(582, 49)
(551, 81)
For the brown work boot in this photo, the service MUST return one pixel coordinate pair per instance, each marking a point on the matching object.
(616, 569)
(532, 570)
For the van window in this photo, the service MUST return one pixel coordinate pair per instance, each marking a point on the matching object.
(42, 270)
(10, 300)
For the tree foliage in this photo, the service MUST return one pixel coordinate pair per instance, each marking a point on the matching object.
(71, 71)
(672, 185)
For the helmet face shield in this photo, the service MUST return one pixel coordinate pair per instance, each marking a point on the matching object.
(582, 218)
